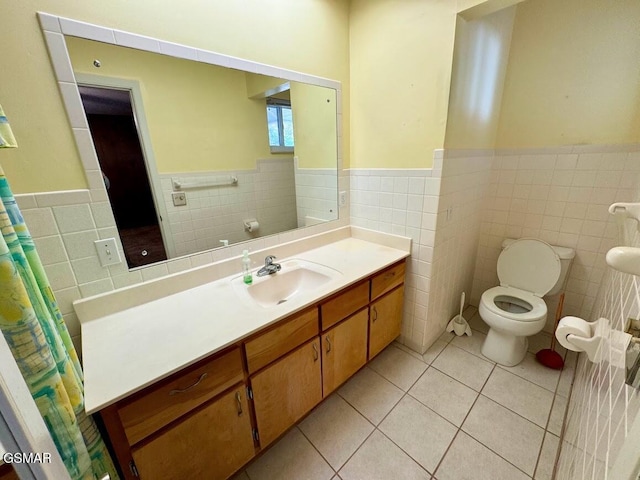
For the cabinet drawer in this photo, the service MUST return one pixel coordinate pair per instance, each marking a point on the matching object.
(285, 337)
(162, 404)
(340, 307)
(387, 280)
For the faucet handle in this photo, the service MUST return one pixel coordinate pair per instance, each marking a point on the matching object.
(269, 259)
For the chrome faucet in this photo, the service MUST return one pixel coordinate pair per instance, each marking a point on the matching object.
(269, 267)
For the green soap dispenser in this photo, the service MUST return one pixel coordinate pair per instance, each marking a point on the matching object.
(246, 268)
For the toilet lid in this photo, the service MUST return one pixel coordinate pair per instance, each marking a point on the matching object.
(530, 265)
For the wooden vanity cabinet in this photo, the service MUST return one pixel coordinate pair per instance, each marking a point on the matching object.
(286, 390)
(167, 401)
(387, 280)
(281, 339)
(344, 351)
(385, 320)
(213, 443)
(342, 305)
(167, 430)
(210, 419)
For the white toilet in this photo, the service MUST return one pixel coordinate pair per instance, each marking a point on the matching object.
(528, 269)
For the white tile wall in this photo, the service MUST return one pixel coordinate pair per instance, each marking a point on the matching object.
(466, 176)
(315, 194)
(602, 408)
(218, 213)
(403, 202)
(415, 203)
(560, 196)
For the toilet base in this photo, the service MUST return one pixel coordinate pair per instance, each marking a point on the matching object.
(504, 348)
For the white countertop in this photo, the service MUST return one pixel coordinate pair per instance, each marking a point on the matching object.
(129, 349)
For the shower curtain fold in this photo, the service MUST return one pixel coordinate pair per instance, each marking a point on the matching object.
(34, 328)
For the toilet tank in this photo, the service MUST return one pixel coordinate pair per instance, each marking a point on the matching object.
(565, 254)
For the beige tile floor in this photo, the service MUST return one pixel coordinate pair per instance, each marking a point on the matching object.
(448, 414)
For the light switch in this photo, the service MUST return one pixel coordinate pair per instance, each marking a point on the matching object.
(179, 199)
(107, 252)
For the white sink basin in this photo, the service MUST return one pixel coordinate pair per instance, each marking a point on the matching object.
(296, 278)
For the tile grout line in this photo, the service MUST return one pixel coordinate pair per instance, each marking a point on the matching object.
(406, 393)
(392, 441)
(462, 423)
(316, 449)
(545, 429)
(357, 449)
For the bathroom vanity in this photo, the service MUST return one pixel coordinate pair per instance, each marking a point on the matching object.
(266, 367)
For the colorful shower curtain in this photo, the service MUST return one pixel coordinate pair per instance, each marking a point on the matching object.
(38, 337)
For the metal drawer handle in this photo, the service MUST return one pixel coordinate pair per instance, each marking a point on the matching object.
(389, 275)
(315, 352)
(239, 400)
(375, 314)
(328, 344)
(202, 377)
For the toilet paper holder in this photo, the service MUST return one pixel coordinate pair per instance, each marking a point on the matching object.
(600, 342)
(578, 335)
(251, 225)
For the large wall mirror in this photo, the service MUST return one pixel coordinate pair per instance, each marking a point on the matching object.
(195, 155)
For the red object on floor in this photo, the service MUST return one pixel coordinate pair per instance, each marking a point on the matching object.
(550, 358)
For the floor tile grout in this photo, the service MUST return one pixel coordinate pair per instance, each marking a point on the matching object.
(447, 340)
(392, 441)
(316, 449)
(460, 428)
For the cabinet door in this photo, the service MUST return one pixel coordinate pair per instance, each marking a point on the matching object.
(286, 390)
(213, 443)
(385, 320)
(344, 351)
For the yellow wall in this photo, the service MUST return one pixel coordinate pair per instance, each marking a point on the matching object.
(401, 57)
(573, 75)
(479, 68)
(310, 36)
(199, 116)
(314, 125)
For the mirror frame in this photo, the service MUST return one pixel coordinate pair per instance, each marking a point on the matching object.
(55, 28)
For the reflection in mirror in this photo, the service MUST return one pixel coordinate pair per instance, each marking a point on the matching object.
(197, 156)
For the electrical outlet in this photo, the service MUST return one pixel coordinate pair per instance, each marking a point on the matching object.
(342, 199)
(179, 199)
(107, 252)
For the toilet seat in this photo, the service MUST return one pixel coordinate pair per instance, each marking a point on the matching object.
(538, 307)
(529, 265)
